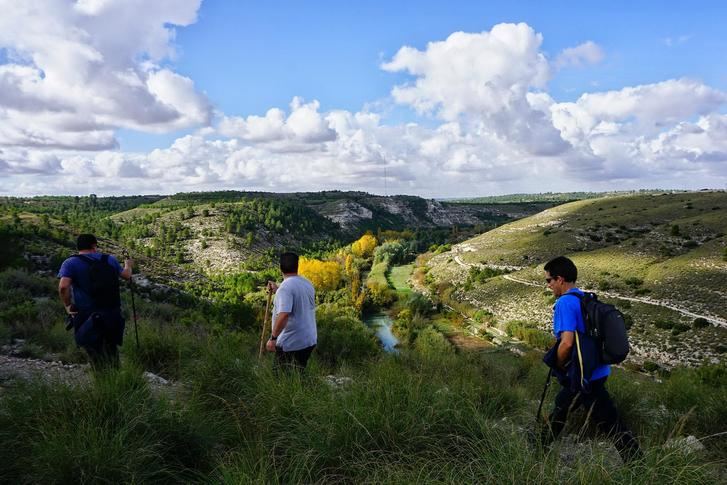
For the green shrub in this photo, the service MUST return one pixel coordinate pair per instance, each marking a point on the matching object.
(430, 342)
(700, 322)
(530, 334)
(343, 337)
(664, 324)
(634, 282)
(419, 304)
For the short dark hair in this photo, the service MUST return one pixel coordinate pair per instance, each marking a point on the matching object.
(86, 241)
(289, 263)
(562, 266)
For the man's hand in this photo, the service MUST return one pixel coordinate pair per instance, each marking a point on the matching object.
(128, 263)
(71, 309)
(270, 345)
(272, 287)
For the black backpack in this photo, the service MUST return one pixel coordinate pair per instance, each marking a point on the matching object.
(104, 278)
(605, 323)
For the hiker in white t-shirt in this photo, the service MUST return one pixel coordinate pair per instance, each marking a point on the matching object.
(294, 334)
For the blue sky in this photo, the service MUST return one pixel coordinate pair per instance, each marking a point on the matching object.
(625, 106)
(253, 55)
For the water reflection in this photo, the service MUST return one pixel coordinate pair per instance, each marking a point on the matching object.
(381, 323)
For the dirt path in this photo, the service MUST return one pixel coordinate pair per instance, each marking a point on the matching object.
(648, 301)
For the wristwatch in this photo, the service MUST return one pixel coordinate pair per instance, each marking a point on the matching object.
(273, 337)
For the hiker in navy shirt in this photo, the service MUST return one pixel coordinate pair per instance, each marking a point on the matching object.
(560, 276)
(96, 319)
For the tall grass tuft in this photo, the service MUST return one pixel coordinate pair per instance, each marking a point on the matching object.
(112, 431)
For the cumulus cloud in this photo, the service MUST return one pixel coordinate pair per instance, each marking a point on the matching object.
(467, 73)
(78, 70)
(586, 53)
(492, 126)
(304, 124)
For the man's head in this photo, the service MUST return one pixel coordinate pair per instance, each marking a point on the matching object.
(86, 242)
(560, 275)
(289, 263)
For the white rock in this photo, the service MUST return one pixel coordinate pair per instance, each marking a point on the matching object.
(687, 445)
(155, 379)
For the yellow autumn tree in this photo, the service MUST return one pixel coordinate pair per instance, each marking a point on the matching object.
(364, 247)
(325, 275)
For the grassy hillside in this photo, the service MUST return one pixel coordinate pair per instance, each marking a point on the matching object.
(434, 412)
(668, 249)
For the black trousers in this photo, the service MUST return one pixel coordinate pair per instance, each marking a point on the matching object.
(602, 412)
(293, 360)
(105, 353)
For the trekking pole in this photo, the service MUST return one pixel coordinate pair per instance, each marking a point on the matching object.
(133, 306)
(265, 319)
(542, 398)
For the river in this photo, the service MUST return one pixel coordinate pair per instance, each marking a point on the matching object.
(381, 323)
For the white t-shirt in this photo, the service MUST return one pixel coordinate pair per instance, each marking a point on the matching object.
(296, 296)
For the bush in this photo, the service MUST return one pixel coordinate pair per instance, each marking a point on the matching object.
(431, 342)
(700, 322)
(343, 337)
(380, 295)
(419, 304)
(634, 282)
(530, 334)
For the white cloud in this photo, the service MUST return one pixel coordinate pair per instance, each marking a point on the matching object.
(484, 72)
(494, 128)
(78, 70)
(586, 53)
(657, 104)
(303, 125)
(675, 41)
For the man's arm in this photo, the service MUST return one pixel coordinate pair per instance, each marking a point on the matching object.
(564, 348)
(64, 291)
(278, 326)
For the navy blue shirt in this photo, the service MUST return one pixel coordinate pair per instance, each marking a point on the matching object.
(567, 317)
(77, 269)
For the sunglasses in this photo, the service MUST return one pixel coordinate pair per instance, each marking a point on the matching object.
(548, 280)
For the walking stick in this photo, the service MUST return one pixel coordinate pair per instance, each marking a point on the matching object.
(133, 310)
(133, 307)
(542, 398)
(265, 319)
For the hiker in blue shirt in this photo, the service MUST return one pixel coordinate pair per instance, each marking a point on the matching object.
(89, 291)
(560, 275)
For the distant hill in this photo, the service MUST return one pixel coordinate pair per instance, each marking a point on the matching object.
(553, 197)
(217, 231)
(668, 249)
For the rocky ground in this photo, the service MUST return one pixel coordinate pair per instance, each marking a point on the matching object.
(14, 369)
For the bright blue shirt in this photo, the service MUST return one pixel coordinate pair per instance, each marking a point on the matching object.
(77, 269)
(567, 317)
